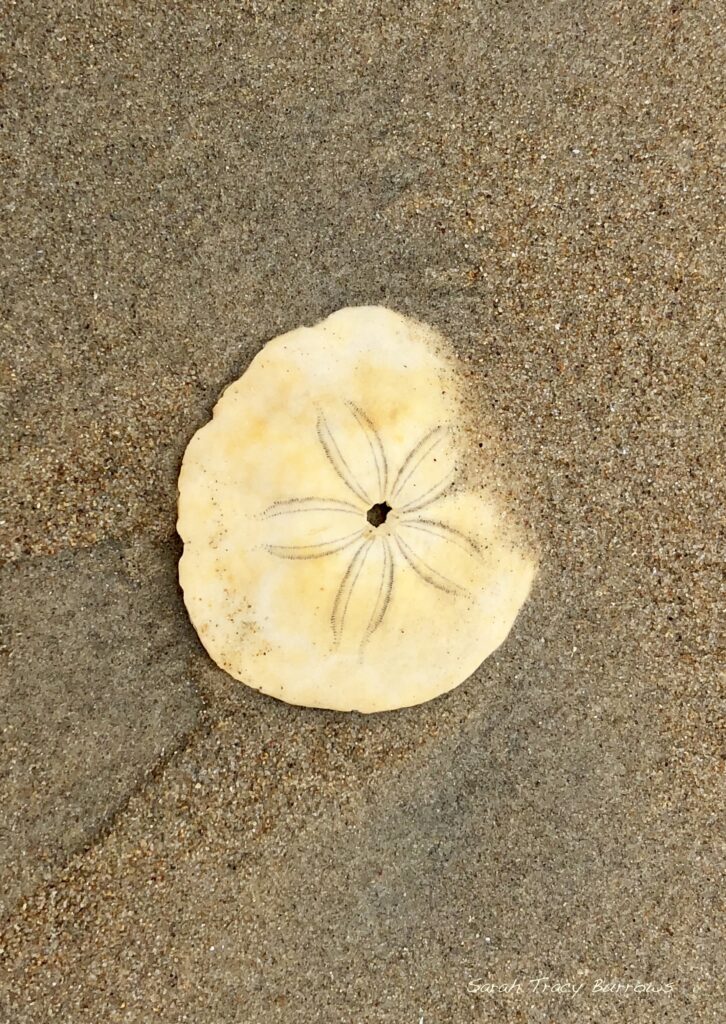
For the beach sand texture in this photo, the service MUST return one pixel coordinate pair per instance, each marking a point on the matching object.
(182, 182)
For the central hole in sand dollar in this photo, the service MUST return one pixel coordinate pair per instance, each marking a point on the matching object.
(377, 514)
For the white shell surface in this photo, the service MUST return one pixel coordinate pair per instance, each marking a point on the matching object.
(289, 586)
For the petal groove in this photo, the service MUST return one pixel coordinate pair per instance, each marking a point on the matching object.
(425, 447)
(314, 550)
(283, 508)
(425, 571)
(385, 590)
(338, 461)
(347, 585)
(430, 496)
(376, 447)
(438, 529)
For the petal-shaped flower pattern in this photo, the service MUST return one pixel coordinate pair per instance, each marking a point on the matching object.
(408, 537)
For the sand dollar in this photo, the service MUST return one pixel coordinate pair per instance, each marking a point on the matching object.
(336, 552)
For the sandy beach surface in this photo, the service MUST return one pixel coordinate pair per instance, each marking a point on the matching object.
(181, 182)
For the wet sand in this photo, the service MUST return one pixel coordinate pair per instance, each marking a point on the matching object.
(181, 184)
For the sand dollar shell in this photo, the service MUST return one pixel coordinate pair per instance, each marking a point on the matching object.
(335, 553)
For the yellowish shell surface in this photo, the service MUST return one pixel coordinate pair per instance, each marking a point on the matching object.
(290, 587)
